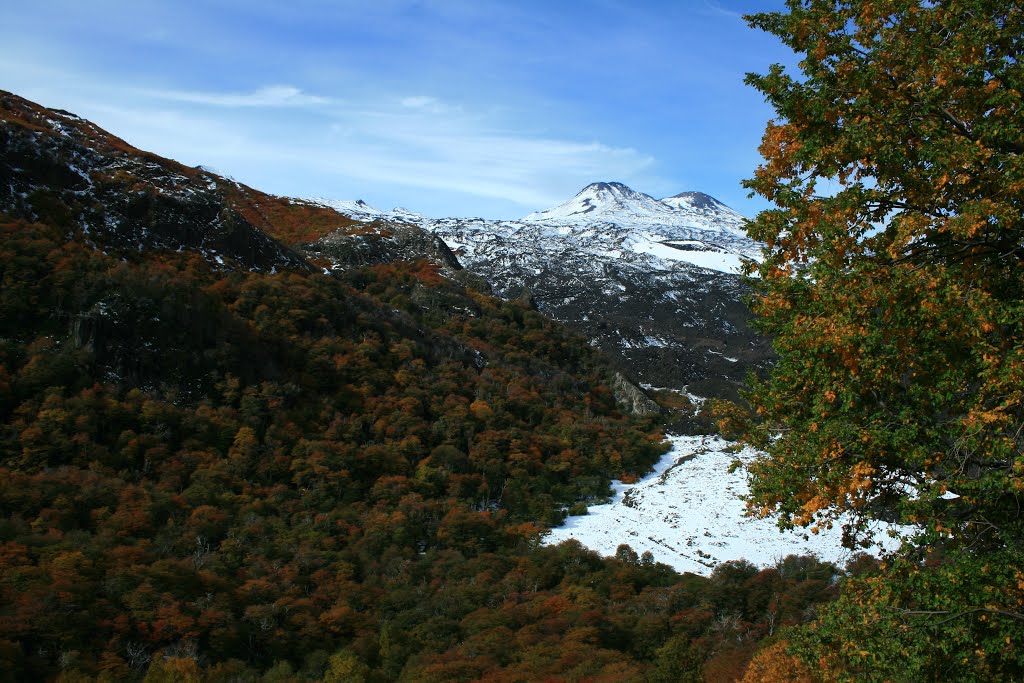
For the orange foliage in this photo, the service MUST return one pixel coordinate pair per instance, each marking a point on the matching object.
(774, 664)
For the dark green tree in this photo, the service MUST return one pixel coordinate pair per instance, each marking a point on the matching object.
(892, 286)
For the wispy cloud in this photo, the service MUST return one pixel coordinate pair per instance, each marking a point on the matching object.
(432, 144)
(418, 146)
(530, 172)
(714, 8)
(267, 96)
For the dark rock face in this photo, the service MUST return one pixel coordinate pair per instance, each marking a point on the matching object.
(61, 169)
(382, 243)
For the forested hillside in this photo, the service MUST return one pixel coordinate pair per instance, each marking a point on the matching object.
(218, 462)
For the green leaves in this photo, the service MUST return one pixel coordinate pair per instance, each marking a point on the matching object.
(894, 299)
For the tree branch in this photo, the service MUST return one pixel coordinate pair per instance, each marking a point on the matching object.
(958, 615)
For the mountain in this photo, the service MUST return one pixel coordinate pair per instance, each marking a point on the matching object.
(653, 283)
(617, 204)
(61, 169)
(64, 170)
(607, 202)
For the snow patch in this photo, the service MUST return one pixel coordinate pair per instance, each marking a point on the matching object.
(688, 513)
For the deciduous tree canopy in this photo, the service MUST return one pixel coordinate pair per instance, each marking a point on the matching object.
(892, 286)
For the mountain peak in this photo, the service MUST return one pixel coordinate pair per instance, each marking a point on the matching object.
(696, 201)
(613, 186)
(602, 202)
(617, 203)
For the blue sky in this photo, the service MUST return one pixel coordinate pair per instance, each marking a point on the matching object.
(447, 107)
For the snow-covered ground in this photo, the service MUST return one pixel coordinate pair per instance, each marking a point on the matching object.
(607, 222)
(688, 514)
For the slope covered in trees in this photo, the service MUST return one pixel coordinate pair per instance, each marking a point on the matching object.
(238, 470)
(895, 301)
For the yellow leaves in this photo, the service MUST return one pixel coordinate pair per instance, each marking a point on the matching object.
(815, 504)
(861, 477)
(481, 409)
(779, 147)
(830, 396)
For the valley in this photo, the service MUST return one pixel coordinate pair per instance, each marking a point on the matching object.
(653, 284)
(245, 434)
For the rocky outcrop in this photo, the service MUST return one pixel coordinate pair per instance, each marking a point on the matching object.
(381, 242)
(631, 398)
(61, 169)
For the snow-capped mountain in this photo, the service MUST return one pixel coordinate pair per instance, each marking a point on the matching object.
(608, 202)
(620, 205)
(652, 282)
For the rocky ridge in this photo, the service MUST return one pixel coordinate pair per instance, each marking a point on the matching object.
(60, 168)
(653, 283)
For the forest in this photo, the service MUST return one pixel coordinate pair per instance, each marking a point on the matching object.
(218, 475)
(221, 462)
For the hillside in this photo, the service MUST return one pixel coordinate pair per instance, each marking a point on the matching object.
(220, 462)
(652, 283)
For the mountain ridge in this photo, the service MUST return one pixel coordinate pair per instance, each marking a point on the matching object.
(617, 203)
(655, 285)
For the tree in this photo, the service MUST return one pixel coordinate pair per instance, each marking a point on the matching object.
(892, 287)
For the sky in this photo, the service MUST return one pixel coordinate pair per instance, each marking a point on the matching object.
(477, 108)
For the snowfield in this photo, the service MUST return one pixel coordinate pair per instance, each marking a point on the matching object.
(604, 222)
(689, 515)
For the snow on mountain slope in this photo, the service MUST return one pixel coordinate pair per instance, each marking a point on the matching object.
(361, 211)
(654, 283)
(688, 514)
(690, 227)
(707, 210)
(606, 202)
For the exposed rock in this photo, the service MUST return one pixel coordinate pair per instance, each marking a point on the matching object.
(630, 397)
(62, 169)
(380, 242)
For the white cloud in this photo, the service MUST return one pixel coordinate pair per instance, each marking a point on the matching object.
(467, 153)
(420, 102)
(267, 96)
(283, 139)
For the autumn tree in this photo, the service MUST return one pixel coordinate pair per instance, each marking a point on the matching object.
(892, 286)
